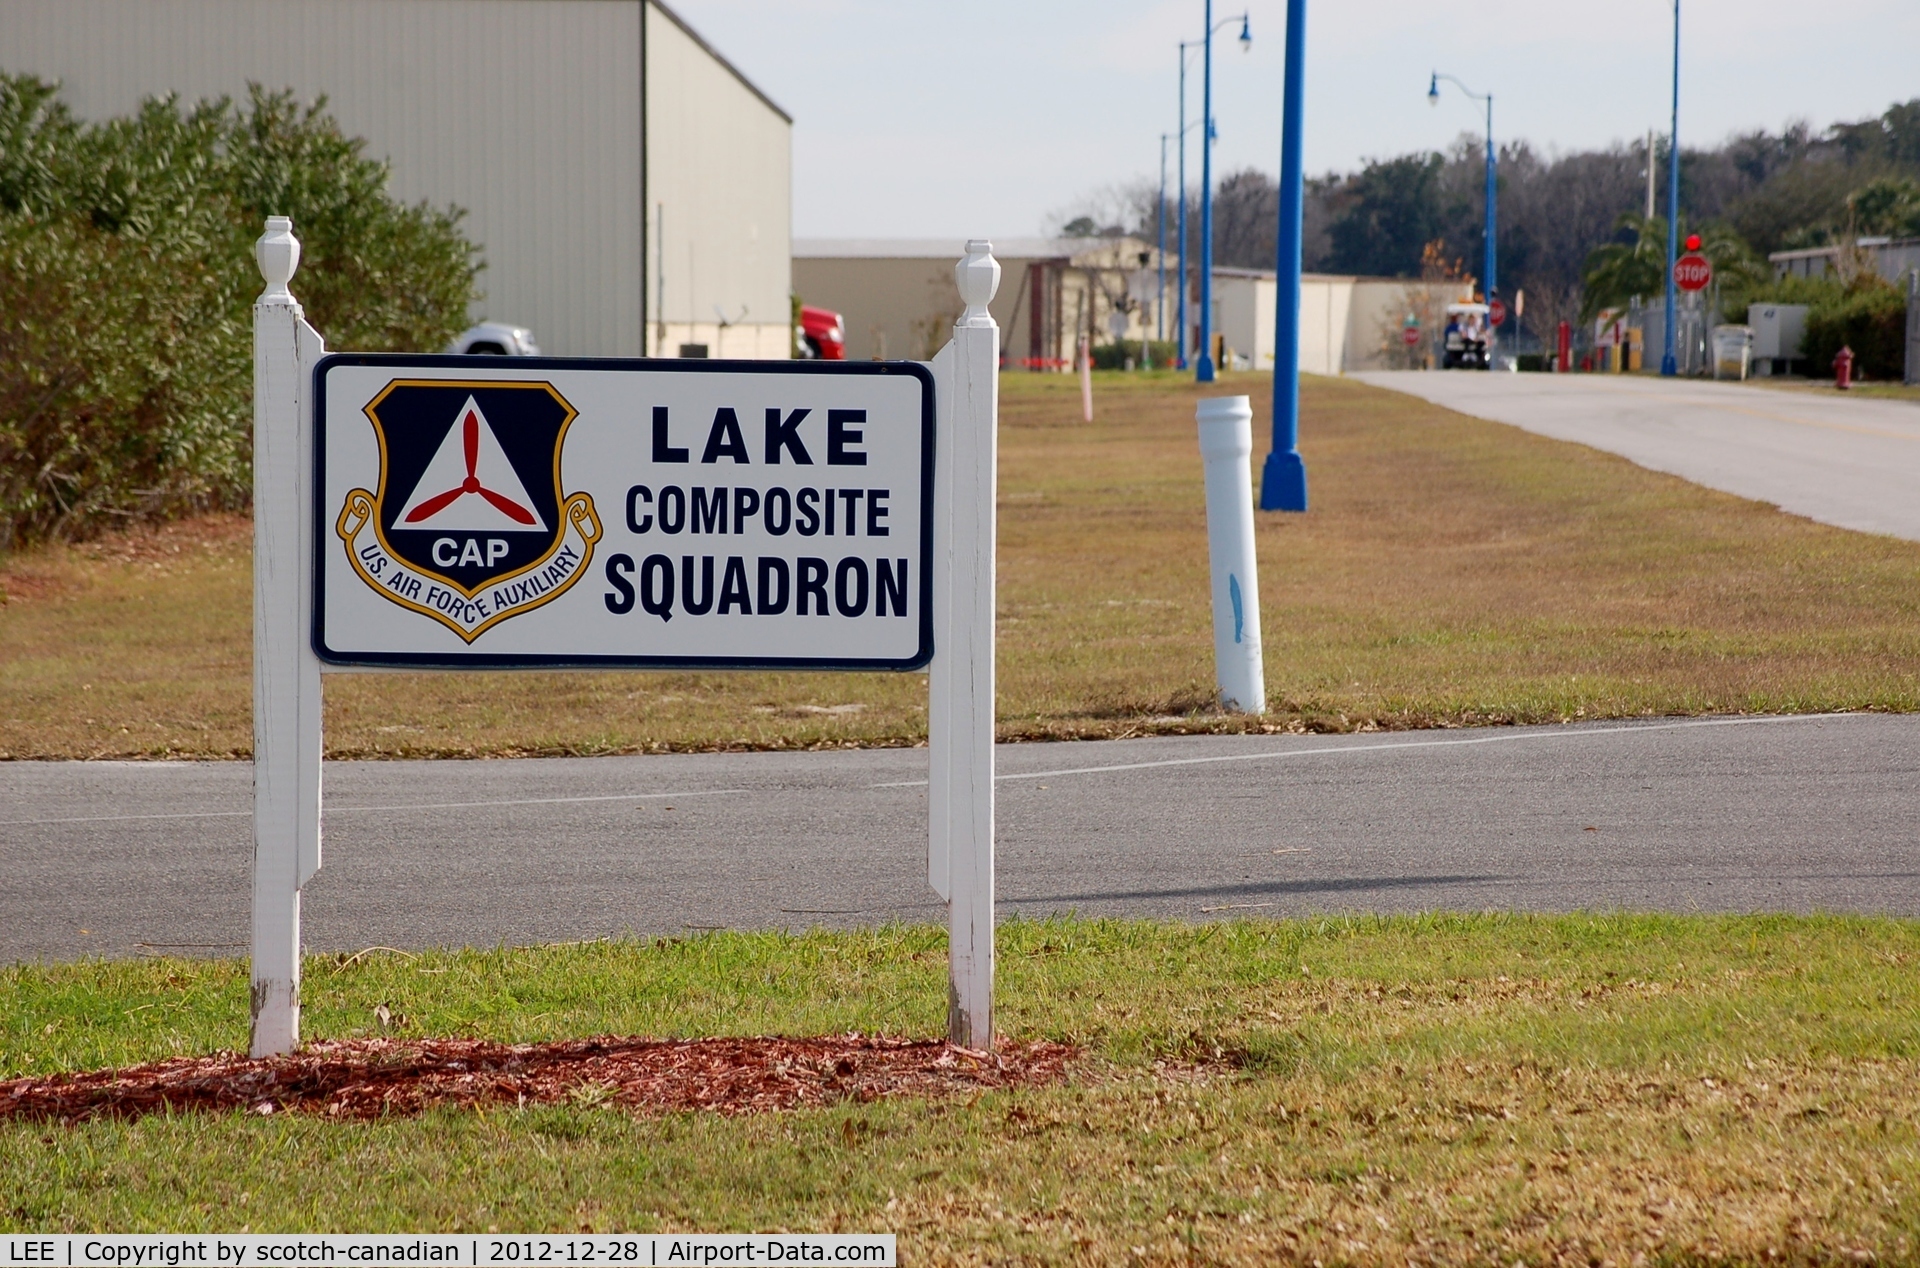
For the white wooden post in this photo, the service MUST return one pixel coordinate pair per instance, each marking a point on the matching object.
(286, 674)
(961, 678)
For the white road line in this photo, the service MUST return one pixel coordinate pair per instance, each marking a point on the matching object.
(334, 810)
(545, 801)
(1510, 737)
(202, 814)
(1507, 738)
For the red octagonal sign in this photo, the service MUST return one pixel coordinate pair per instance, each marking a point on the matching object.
(1497, 311)
(1692, 272)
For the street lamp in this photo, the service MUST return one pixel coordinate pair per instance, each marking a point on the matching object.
(1669, 366)
(1180, 353)
(1204, 371)
(1433, 99)
(1283, 480)
(1160, 227)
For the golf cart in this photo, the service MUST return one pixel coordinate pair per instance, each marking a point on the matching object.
(1469, 341)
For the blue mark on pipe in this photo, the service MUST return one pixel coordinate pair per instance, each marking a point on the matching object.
(1239, 611)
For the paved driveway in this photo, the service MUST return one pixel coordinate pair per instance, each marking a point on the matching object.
(1751, 814)
(1849, 461)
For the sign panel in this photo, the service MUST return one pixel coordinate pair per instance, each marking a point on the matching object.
(622, 514)
(1692, 272)
(1497, 311)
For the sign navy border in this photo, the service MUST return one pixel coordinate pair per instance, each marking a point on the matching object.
(399, 363)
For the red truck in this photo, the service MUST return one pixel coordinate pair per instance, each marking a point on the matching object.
(823, 336)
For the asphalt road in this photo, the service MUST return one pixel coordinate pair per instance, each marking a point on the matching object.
(1848, 461)
(1798, 814)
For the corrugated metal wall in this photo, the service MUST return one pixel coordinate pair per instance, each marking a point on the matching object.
(720, 172)
(525, 112)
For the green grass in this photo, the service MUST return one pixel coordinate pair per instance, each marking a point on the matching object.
(1457, 1089)
(1451, 572)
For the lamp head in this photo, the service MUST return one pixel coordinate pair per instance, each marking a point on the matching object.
(1246, 32)
(1433, 90)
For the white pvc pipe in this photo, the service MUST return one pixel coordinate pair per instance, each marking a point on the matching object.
(1085, 356)
(1226, 446)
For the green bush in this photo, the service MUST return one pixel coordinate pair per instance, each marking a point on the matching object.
(1822, 291)
(126, 287)
(1870, 318)
(1113, 356)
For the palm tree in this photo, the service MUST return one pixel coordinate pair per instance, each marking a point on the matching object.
(1619, 272)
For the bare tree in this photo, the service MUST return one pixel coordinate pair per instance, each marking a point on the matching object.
(1246, 220)
(1547, 307)
(1423, 306)
(944, 307)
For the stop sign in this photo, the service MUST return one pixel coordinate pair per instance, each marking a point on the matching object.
(1692, 272)
(1497, 311)
(1410, 336)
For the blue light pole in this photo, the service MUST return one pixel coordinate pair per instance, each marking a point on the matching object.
(1204, 371)
(1283, 480)
(1180, 355)
(1160, 226)
(1669, 365)
(1491, 281)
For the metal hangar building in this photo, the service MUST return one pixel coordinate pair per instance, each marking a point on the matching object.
(631, 189)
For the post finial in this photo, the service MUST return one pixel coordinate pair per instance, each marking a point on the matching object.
(978, 276)
(277, 252)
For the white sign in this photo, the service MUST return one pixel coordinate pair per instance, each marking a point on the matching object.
(623, 513)
(473, 513)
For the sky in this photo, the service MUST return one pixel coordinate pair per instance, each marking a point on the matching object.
(927, 118)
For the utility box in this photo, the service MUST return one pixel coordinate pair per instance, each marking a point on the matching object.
(1779, 334)
(1732, 351)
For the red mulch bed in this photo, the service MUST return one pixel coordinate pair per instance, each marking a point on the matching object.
(367, 1078)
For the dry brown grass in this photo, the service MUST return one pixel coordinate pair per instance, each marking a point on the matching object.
(1451, 572)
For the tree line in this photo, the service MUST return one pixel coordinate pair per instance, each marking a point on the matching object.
(1573, 231)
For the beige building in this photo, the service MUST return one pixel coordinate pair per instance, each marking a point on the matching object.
(1346, 323)
(630, 187)
(898, 300)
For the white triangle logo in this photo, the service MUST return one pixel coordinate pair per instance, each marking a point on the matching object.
(470, 486)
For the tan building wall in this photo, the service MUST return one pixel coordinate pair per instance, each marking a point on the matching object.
(1374, 323)
(893, 306)
(525, 112)
(1245, 303)
(898, 300)
(1344, 321)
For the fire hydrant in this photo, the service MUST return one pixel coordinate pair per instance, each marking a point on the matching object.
(1843, 368)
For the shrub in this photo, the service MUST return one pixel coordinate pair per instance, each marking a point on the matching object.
(1871, 318)
(1821, 291)
(1113, 355)
(126, 286)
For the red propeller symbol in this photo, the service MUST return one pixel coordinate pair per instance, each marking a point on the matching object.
(470, 435)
